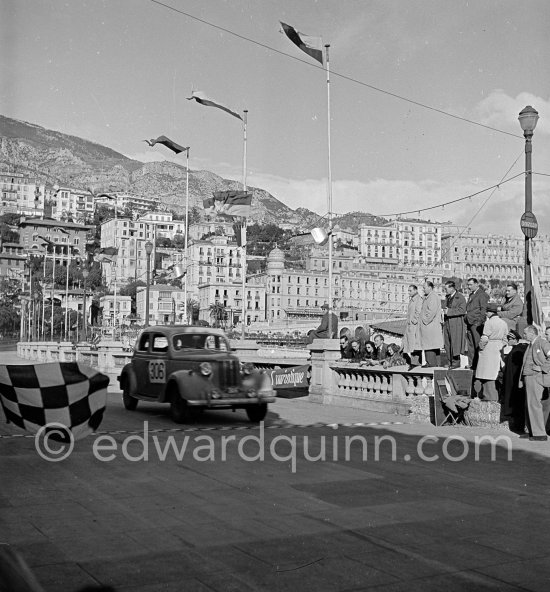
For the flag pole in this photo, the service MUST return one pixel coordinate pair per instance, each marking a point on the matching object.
(329, 200)
(243, 247)
(115, 267)
(186, 240)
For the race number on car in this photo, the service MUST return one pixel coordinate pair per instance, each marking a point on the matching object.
(157, 372)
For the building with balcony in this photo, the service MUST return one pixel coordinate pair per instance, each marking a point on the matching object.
(20, 194)
(115, 313)
(166, 304)
(491, 256)
(230, 295)
(67, 239)
(402, 242)
(357, 288)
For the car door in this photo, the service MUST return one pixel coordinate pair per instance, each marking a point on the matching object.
(140, 362)
(157, 367)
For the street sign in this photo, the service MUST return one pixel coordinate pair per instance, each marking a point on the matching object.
(529, 225)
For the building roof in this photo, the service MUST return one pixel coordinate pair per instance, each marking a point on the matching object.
(394, 327)
(160, 288)
(50, 222)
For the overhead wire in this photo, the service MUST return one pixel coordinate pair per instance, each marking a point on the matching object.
(452, 201)
(467, 227)
(333, 72)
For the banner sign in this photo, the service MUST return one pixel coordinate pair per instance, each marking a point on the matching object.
(297, 376)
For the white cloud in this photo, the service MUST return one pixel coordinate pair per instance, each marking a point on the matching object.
(501, 111)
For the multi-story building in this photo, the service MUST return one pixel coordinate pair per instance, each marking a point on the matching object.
(491, 256)
(166, 304)
(130, 236)
(69, 238)
(21, 194)
(118, 317)
(198, 230)
(137, 203)
(402, 242)
(230, 296)
(299, 294)
(68, 203)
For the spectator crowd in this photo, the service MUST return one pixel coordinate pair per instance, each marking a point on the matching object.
(510, 361)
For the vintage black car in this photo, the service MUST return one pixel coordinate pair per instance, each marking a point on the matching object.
(193, 369)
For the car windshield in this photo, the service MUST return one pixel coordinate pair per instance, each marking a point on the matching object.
(202, 341)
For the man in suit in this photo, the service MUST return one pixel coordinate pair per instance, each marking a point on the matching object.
(535, 373)
(381, 349)
(476, 312)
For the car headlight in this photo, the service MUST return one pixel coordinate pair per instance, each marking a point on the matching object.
(205, 368)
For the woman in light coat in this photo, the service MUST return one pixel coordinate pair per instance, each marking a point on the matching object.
(431, 332)
(490, 344)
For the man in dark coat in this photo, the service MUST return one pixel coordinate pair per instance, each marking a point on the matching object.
(476, 312)
(454, 328)
(322, 331)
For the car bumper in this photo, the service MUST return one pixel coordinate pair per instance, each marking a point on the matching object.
(232, 402)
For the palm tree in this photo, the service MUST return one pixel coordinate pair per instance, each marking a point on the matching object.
(218, 313)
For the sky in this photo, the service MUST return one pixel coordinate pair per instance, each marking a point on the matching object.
(118, 71)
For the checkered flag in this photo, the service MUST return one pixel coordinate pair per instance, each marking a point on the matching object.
(66, 393)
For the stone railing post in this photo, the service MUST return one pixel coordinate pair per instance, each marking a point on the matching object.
(323, 379)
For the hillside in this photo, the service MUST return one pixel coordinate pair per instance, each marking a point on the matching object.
(54, 157)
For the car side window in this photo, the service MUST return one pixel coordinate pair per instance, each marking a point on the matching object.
(143, 344)
(160, 343)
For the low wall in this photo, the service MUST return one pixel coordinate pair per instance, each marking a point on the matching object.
(109, 357)
(396, 390)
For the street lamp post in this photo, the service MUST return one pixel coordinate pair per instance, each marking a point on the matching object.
(85, 274)
(528, 118)
(148, 250)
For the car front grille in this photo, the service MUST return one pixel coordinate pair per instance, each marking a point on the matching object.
(228, 373)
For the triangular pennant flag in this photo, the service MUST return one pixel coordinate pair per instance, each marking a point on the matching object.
(168, 143)
(310, 45)
(201, 98)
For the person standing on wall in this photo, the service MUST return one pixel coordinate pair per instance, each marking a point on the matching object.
(512, 307)
(454, 328)
(411, 339)
(431, 334)
(476, 312)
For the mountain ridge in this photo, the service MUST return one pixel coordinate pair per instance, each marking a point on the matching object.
(55, 157)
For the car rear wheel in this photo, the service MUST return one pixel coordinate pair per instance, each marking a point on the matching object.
(130, 402)
(257, 413)
(179, 411)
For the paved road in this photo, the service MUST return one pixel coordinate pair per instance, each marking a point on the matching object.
(199, 519)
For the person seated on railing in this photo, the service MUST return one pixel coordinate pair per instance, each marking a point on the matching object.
(395, 357)
(322, 331)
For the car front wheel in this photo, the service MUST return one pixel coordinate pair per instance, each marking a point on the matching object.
(179, 411)
(130, 402)
(257, 413)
